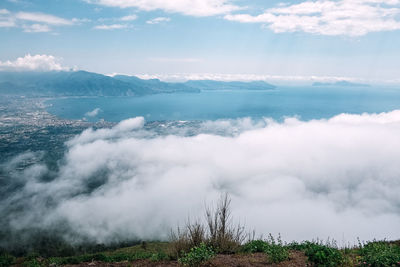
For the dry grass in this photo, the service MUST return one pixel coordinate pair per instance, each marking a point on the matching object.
(218, 231)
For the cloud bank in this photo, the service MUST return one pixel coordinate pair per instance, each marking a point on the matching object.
(242, 77)
(335, 178)
(33, 63)
(326, 17)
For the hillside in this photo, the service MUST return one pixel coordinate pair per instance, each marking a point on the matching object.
(253, 253)
(156, 86)
(82, 83)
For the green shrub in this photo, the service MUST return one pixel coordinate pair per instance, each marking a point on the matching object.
(277, 253)
(197, 255)
(323, 255)
(39, 262)
(33, 260)
(254, 246)
(379, 254)
(297, 246)
(275, 250)
(6, 260)
(159, 256)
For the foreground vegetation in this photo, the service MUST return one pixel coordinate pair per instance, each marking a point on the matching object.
(217, 242)
(376, 253)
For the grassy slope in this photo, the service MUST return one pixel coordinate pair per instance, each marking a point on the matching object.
(252, 254)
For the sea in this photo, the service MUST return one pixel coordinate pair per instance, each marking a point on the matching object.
(304, 102)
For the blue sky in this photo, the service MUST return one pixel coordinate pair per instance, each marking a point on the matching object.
(228, 39)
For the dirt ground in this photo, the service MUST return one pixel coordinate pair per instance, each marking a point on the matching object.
(236, 260)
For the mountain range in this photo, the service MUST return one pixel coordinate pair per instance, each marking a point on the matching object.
(83, 83)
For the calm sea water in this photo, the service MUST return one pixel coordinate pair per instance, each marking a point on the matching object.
(304, 102)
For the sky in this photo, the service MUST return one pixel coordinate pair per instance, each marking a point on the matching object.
(293, 40)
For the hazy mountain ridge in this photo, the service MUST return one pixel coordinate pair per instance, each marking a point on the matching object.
(83, 83)
(155, 85)
(79, 83)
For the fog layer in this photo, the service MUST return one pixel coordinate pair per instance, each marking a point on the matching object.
(337, 178)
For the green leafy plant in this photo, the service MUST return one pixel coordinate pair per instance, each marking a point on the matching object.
(159, 256)
(297, 246)
(379, 254)
(275, 250)
(254, 246)
(323, 255)
(6, 260)
(197, 255)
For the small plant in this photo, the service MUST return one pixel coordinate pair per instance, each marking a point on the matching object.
(297, 246)
(379, 254)
(33, 260)
(323, 255)
(159, 256)
(277, 253)
(255, 246)
(222, 234)
(218, 232)
(275, 250)
(6, 260)
(197, 256)
(180, 244)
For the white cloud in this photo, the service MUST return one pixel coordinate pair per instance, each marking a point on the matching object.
(276, 79)
(4, 11)
(40, 22)
(240, 77)
(43, 18)
(111, 26)
(327, 17)
(93, 113)
(6, 21)
(35, 62)
(129, 18)
(334, 178)
(186, 7)
(36, 28)
(158, 20)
